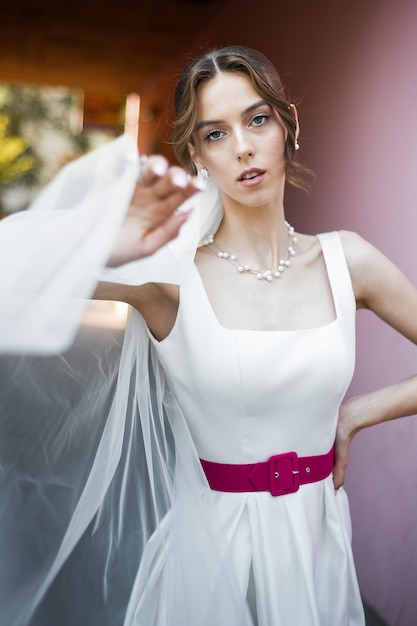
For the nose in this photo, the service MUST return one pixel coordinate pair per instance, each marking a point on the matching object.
(244, 147)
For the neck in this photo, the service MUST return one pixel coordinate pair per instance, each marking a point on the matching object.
(261, 273)
(257, 235)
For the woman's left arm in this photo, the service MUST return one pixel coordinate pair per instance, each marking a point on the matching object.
(381, 287)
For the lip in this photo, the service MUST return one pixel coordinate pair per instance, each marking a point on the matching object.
(257, 177)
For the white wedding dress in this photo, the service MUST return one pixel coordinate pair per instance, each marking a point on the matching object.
(105, 514)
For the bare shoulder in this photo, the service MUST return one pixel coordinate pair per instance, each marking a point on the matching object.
(365, 262)
(357, 249)
(355, 246)
(379, 285)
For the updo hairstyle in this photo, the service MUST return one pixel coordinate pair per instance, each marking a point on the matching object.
(266, 81)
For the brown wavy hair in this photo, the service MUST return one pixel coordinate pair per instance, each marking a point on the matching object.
(265, 79)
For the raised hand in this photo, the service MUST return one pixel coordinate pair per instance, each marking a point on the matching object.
(152, 219)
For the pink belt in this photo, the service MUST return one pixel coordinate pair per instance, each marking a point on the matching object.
(281, 474)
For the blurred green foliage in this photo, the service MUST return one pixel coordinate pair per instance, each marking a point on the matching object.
(36, 139)
(15, 157)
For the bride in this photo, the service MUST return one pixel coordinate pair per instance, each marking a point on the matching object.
(195, 475)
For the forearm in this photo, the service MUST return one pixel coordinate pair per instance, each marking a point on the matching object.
(388, 403)
(369, 409)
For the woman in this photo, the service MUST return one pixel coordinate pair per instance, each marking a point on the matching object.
(238, 352)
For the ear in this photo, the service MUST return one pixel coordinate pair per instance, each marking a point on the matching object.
(194, 157)
(295, 113)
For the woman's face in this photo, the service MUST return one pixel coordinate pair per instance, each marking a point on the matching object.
(240, 139)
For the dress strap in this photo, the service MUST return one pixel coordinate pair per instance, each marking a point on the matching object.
(339, 278)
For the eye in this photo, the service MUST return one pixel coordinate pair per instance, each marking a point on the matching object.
(259, 119)
(213, 135)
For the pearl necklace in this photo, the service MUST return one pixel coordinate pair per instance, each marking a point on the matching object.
(267, 275)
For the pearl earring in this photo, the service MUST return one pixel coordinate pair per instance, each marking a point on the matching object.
(204, 173)
(297, 145)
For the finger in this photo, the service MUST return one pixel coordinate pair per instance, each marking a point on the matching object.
(152, 169)
(338, 476)
(176, 179)
(340, 464)
(156, 173)
(164, 233)
(161, 199)
(173, 201)
(152, 212)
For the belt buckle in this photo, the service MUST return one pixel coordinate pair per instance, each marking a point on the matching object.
(284, 476)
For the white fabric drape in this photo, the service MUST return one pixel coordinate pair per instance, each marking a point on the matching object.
(104, 515)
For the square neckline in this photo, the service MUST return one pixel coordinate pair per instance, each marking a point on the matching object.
(321, 327)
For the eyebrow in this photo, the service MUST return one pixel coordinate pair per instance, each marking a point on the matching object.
(205, 123)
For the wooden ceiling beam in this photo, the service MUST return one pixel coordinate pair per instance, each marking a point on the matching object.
(92, 45)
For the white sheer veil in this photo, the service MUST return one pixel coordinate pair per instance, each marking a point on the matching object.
(105, 514)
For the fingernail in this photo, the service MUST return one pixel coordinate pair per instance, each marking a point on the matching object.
(200, 184)
(160, 168)
(180, 179)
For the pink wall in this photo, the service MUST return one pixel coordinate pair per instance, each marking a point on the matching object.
(352, 69)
